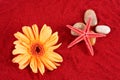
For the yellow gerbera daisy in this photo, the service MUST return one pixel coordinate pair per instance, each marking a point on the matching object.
(36, 49)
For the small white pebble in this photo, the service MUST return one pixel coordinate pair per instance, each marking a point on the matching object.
(77, 25)
(103, 29)
(90, 13)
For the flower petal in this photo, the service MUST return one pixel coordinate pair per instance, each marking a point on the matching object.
(45, 33)
(16, 42)
(35, 31)
(25, 31)
(53, 56)
(21, 37)
(41, 67)
(33, 64)
(19, 51)
(18, 58)
(57, 64)
(54, 47)
(21, 43)
(49, 65)
(24, 62)
(52, 40)
(20, 46)
(28, 32)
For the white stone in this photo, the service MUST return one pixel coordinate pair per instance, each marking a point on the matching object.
(103, 29)
(90, 14)
(78, 25)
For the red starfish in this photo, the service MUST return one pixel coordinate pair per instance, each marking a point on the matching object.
(85, 35)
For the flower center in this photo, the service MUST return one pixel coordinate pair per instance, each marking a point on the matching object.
(36, 49)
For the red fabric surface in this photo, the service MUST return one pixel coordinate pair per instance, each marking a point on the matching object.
(78, 64)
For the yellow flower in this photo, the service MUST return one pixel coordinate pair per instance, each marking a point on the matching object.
(36, 49)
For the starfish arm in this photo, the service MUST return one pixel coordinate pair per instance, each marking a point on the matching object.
(87, 41)
(77, 40)
(78, 31)
(95, 35)
(87, 28)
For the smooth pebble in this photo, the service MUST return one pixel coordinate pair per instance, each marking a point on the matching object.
(93, 41)
(103, 29)
(78, 25)
(90, 13)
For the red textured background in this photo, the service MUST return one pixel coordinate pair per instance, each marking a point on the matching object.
(78, 63)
